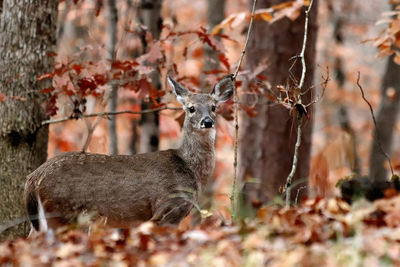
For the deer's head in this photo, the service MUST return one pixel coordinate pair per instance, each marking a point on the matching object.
(201, 108)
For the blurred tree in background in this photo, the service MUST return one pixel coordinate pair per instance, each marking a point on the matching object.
(267, 140)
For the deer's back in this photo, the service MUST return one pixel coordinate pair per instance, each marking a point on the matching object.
(125, 189)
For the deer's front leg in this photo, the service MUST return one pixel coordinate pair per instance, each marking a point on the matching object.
(172, 211)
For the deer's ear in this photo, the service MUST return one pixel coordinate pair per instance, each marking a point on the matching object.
(180, 92)
(223, 90)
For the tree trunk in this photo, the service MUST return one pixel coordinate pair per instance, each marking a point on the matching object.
(267, 141)
(340, 77)
(111, 55)
(385, 121)
(150, 16)
(28, 33)
(215, 14)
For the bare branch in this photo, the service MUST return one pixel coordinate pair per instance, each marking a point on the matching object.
(246, 41)
(300, 118)
(90, 129)
(376, 127)
(106, 114)
(295, 160)
(235, 99)
(323, 85)
(303, 49)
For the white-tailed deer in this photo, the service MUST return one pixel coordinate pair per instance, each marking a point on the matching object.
(161, 186)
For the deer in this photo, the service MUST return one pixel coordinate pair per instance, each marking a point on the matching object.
(127, 190)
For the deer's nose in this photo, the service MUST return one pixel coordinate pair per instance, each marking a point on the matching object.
(207, 122)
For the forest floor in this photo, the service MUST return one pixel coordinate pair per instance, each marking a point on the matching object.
(318, 232)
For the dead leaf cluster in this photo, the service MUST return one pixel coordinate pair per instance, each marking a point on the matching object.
(319, 232)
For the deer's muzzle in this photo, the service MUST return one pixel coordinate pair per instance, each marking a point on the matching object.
(207, 122)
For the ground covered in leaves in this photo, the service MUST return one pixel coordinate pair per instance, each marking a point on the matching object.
(319, 232)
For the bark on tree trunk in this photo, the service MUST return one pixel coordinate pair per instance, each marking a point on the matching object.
(150, 16)
(216, 13)
(267, 141)
(28, 33)
(340, 78)
(385, 121)
(111, 55)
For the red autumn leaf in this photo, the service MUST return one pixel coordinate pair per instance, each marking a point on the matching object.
(60, 70)
(87, 83)
(77, 68)
(99, 5)
(131, 86)
(144, 85)
(233, 19)
(44, 76)
(175, 68)
(100, 79)
(261, 77)
(155, 102)
(66, 90)
(224, 61)
(198, 52)
(52, 108)
(224, 36)
(2, 97)
(238, 83)
(52, 54)
(251, 111)
(270, 97)
(124, 65)
(154, 93)
(252, 87)
(117, 74)
(47, 90)
(215, 71)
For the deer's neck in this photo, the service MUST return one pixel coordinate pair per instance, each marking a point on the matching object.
(198, 151)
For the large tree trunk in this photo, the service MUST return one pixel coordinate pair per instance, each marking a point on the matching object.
(28, 33)
(150, 16)
(267, 141)
(385, 121)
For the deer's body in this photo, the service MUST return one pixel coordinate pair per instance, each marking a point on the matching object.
(161, 186)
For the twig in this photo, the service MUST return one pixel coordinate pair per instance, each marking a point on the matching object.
(90, 129)
(246, 41)
(235, 99)
(324, 84)
(299, 116)
(376, 127)
(303, 49)
(105, 114)
(298, 192)
(295, 160)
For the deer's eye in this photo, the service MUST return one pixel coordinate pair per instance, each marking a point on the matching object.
(213, 108)
(192, 109)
